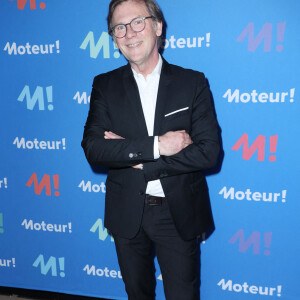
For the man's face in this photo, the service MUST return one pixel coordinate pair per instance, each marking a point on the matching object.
(139, 48)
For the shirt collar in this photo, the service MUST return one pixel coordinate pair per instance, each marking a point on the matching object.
(156, 71)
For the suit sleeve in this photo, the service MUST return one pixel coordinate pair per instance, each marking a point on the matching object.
(200, 155)
(113, 153)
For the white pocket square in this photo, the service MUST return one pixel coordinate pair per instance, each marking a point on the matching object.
(176, 111)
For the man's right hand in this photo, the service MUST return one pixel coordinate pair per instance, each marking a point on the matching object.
(173, 142)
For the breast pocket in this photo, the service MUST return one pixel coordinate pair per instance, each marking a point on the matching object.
(177, 112)
(178, 120)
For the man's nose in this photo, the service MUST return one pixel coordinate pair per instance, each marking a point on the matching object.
(129, 32)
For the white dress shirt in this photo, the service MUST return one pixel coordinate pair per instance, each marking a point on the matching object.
(148, 89)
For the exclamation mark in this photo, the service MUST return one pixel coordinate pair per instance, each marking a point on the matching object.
(283, 196)
(292, 93)
(70, 227)
(273, 145)
(42, 5)
(13, 262)
(280, 35)
(208, 39)
(57, 46)
(116, 51)
(279, 288)
(63, 143)
(61, 262)
(268, 237)
(56, 184)
(49, 97)
(5, 182)
(1, 223)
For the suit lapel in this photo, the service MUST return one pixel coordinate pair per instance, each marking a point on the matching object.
(133, 97)
(162, 96)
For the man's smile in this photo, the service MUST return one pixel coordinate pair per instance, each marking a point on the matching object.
(134, 45)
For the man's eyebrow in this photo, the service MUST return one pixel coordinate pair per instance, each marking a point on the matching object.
(122, 23)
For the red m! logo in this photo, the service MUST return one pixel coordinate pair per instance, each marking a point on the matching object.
(22, 3)
(44, 183)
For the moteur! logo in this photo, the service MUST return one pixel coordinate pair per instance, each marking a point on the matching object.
(29, 49)
(89, 187)
(8, 263)
(245, 288)
(253, 240)
(195, 42)
(249, 195)
(82, 98)
(32, 4)
(36, 144)
(101, 272)
(259, 144)
(45, 183)
(237, 96)
(47, 227)
(54, 264)
(265, 35)
(37, 97)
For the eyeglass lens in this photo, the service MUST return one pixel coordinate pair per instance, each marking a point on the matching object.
(137, 25)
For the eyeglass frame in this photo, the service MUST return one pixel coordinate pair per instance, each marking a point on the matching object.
(142, 18)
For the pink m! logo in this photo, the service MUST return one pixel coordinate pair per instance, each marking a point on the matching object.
(265, 35)
(259, 144)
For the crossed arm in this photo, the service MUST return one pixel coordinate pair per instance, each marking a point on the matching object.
(169, 144)
(180, 152)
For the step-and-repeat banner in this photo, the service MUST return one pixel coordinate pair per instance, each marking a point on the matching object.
(52, 202)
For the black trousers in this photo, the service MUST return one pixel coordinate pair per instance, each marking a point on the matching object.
(178, 259)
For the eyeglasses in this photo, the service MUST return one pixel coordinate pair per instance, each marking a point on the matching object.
(137, 25)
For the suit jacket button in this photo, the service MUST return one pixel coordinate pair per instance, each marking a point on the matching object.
(130, 155)
(139, 154)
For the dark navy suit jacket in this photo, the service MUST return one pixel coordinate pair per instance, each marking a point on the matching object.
(183, 103)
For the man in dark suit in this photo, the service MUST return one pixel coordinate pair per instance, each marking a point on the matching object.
(152, 124)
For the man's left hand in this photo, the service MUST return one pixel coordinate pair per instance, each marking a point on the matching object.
(108, 135)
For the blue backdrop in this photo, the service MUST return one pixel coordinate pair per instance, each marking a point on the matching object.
(51, 202)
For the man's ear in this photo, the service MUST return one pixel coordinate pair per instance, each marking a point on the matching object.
(158, 28)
